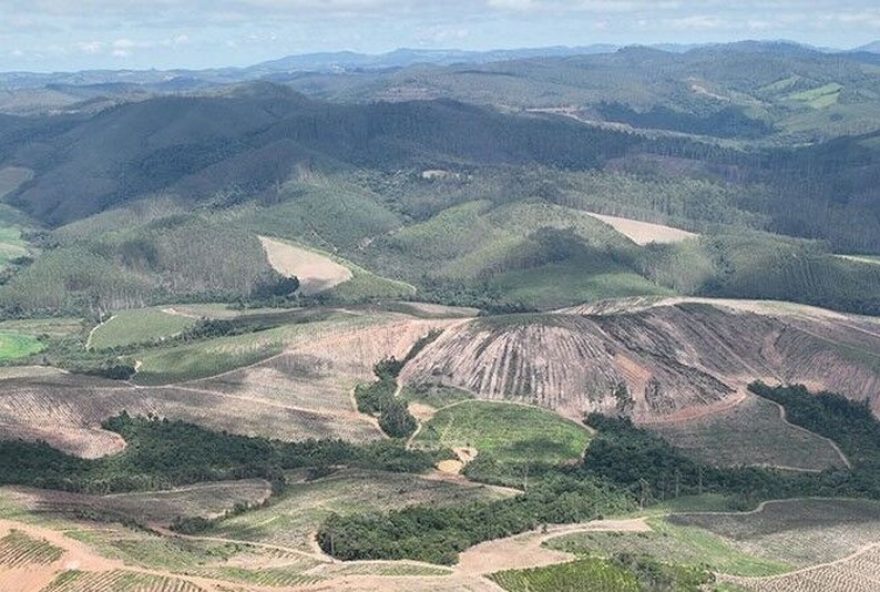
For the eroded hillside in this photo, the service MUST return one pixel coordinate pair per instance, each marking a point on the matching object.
(660, 363)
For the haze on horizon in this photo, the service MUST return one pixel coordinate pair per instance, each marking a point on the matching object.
(53, 35)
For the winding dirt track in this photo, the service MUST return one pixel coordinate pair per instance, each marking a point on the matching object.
(520, 551)
(526, 550)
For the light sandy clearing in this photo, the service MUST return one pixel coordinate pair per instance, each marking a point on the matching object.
(315, 272)
(465, 455)
(643, 233)
(525, 550)
(857, 259)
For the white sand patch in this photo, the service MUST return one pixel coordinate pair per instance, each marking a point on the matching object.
(315, 272)
(643, 233)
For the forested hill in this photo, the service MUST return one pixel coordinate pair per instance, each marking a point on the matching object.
(249, 141)
(244, 144)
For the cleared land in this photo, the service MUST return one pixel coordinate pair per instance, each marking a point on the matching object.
(673, 544)
(293, 518)
(315, 272)
(812, 545)
(664, 362)
(858, 573)
(144, 325)
(800, 533)
(206, 500)
(507, 432)
(873, 260)
(527, 549)
(752, 433)
(643, 233)
(66, 411)
(293, 382)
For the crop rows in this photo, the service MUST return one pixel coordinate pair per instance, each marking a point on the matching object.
(859, 574)
(272, 576)
(585, 574)
(384, 569)
(17, 549)
(118, 581)
(798, 532)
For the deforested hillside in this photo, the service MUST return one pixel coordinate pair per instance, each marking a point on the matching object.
(661, 363)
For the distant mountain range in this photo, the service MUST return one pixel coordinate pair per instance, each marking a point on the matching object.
(870, 47)
(347, 61)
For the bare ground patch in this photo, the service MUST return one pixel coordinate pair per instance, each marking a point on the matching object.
(315, 272)
(525, 550)
(643, 233)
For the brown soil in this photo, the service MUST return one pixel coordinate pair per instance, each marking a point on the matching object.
(679, 360)
(454, 467)
(302, 393)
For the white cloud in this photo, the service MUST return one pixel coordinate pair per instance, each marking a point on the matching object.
(695, 22)
(90, 47)
(124, 44)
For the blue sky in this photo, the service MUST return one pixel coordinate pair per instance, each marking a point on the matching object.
(44, 35)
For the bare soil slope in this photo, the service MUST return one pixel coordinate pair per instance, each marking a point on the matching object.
(304, 392)
(643, 233)
(677, 361)
(315, 272)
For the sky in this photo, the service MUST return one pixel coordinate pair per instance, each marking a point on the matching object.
(55, 35)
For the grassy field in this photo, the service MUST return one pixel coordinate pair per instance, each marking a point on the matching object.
(137, 326)
(673, 544)
(506, 432)
(365, 285)
(433, 395)
(575, 281)
(17, 345)
(189, 362)
(752, 433)
(590, 574)
(292, 518)
(273, 577)
(211, 357)
(821, 97)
